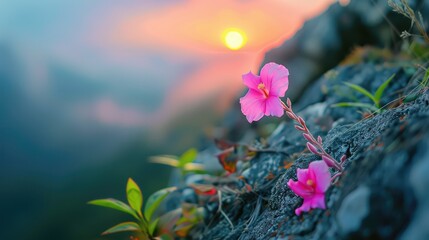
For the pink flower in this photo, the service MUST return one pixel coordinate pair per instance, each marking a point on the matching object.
(311, 186)
(263, 97)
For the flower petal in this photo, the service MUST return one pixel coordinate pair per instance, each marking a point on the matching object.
(318, 201)
(302, 175)
(319, 171)
(267, 73)
(305, 207)
(253, 105)
(276, 78)
(273, 107)
(251, 81)
(300, 189)
(280, 82)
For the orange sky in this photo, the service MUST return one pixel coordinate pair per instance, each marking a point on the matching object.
(197, 25)
(192, 30)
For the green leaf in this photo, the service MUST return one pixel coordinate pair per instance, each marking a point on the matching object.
(353, 104)
(123, 227)
(411, 97)
(194, 167)
(380, 90)
(152, 226)
(166, 160)
(188, 157)
(361, 90)
(165, 237)
(134, 196)
(154, 200)
(115, 204)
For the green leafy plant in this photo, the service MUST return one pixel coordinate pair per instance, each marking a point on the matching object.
(178, 223)
(184, 162)
(375, 97)
(145, 225)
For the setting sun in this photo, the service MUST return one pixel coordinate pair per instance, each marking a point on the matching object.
(234, 39)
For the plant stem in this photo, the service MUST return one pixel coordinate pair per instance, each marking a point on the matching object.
(302, 126)
(144, 227)
(335, 176)
(222, 212)
(419, 26)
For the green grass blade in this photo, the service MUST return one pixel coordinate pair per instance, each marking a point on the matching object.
(411, 97)
(380, 90)
(362, 91)
(115, 204)
(354, 104)
(134, 196)
(154, 200)
(425, 81)
(123, 227)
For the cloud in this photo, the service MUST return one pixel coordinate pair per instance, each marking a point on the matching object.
(107, 111)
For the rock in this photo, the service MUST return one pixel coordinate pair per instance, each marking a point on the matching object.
(419, 180)
(189, 196)
(353, 210)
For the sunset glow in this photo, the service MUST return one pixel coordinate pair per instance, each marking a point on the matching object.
(234, 39)
(200, 27)
(218, 39)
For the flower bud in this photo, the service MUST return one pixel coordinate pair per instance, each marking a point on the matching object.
(312, 148)
(343, 158)
(329, 161)
(307, 136)
(290, 115)
(299, 128)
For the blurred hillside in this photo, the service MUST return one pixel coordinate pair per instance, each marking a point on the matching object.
(52, 163)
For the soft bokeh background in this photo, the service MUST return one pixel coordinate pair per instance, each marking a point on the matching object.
(90, 89)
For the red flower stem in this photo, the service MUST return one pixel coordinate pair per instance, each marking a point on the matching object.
(330, 161)
(335, 176)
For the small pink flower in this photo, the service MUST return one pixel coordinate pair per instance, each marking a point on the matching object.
(263, 97)
(311, 186)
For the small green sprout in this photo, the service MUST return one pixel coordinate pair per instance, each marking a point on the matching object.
(145, 224)
(375, 98)
(184, 162)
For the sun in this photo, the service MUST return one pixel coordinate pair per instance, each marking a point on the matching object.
(234, 39)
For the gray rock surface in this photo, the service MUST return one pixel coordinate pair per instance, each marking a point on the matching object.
(419, 179)
(353, 210)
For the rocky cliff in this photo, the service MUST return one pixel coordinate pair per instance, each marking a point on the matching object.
(383, 193)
